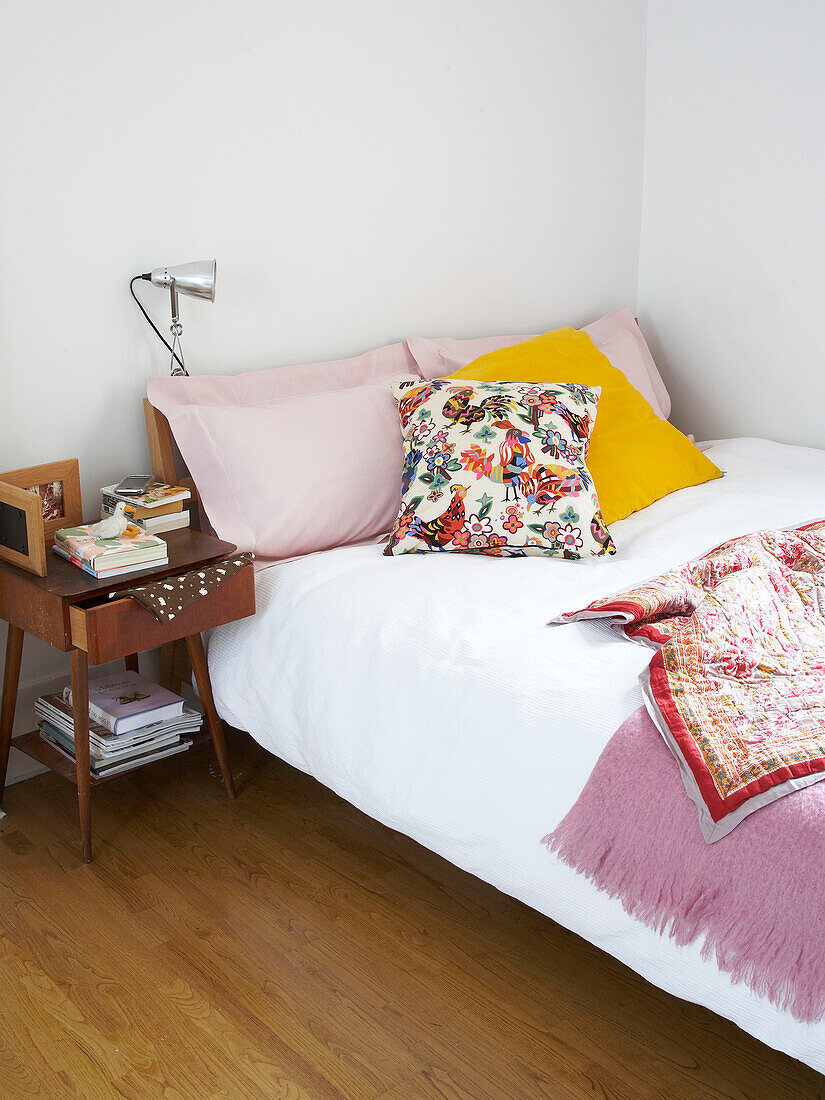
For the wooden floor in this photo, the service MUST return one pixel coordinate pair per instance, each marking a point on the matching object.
(287, 946)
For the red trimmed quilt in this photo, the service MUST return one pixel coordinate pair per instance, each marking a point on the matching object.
(737, 685)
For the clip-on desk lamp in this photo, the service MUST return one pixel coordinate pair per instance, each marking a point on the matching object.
(197, 280)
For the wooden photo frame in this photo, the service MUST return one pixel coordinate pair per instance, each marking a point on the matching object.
(22, 538)
(57, 484)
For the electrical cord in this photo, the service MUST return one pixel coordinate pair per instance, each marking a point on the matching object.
(161, 337)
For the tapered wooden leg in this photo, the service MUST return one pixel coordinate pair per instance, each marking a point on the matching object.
(197, 656)
(80, 714)
(132, 663)
(11, 678)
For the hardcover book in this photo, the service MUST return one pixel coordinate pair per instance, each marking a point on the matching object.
(126, 701)
(109, 500)
(164, 523)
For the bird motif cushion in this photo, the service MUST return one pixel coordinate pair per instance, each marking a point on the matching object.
(498, 468)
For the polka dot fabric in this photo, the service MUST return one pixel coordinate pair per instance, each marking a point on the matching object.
(167, 598)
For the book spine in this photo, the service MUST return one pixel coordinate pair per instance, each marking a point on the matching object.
(98, 715)
(63, 553)
(114, 571)
(176, 521)
(170, 521)
(108, 503)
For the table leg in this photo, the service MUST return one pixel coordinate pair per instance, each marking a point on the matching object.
(11, 679)
(197, 656)
(80, 714)
(132, 663)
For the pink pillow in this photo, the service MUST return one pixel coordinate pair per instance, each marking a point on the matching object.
(296, 459)
(442, 357)
(265, 387)
(616, 335)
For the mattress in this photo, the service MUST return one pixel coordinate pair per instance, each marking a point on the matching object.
(429, 692)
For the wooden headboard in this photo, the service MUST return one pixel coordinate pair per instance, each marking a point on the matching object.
(175, 669)
(164, 455)
(167, 464)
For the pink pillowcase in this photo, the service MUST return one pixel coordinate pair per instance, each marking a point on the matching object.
(296, 459)
(441, 357)
(616, 335)
(265, 387)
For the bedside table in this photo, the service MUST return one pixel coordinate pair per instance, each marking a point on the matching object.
(72, 611)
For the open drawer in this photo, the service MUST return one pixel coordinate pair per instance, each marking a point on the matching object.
(110, 629)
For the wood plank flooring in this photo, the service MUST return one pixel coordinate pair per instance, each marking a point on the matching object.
(285, 945)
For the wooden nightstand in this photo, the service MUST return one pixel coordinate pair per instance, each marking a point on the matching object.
(72, 611)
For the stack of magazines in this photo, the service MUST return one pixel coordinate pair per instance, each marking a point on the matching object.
(132, 721)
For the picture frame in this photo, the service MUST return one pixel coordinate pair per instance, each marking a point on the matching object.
(57, 484)
(35, 502)
(22, 537)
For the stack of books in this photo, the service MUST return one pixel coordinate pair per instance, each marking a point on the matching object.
(110, 557)
(159, 508)
(132, 721)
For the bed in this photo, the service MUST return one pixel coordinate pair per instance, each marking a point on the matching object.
(428, 691)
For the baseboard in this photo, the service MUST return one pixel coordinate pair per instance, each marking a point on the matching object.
(22, 766)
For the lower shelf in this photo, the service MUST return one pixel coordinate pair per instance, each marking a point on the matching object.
(33, 745)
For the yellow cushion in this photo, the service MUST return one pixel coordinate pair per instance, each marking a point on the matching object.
(635, 457)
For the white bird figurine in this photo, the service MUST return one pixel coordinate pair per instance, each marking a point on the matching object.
(113, 525)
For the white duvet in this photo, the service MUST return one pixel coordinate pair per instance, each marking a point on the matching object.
(428, 691)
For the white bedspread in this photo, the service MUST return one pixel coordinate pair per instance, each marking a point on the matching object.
(428, 691)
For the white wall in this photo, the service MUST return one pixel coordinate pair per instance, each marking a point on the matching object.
(362, 171)
(732, 267)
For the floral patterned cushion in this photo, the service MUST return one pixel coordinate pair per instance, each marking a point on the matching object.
(497, 468)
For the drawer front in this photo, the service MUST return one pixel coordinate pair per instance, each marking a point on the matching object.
(108, 631)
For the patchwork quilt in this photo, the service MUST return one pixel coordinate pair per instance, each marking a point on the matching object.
(737, 684)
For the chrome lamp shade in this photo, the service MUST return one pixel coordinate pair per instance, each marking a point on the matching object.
(196, 279)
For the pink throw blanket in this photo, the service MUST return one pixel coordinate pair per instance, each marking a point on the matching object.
(758, 899)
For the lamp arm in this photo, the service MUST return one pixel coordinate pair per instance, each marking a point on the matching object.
(177, 327)
(157, 331)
